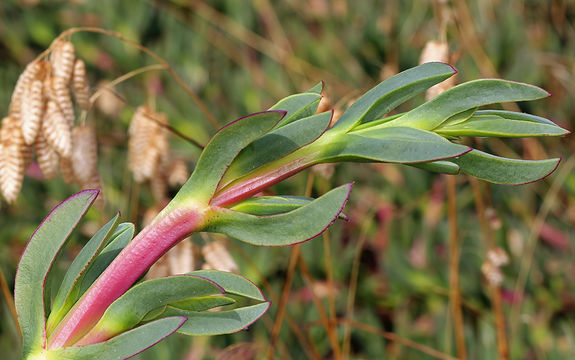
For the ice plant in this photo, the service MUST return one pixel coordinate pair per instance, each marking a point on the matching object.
(98, 310)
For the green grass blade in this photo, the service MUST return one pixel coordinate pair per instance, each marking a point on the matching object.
(35, 263)
(392, 92)
(124, 345)
(467, 96)
(285, 229)
(501, 170)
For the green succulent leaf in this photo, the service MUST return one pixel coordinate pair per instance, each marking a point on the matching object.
(222, 150)
(441, 166)
(271, 205)
(124, 345)
(392, 92)
(232, 283)
(35, 263)
(69, 290)
(132, 307)
(203, 303)
(513, 115)
(317, 88)
(277, 143)
(297, 107)
(501, 170)
(397, 145)
(118, 241)
(220, 322)
(493, 125)
(467, 96)
(284, 229)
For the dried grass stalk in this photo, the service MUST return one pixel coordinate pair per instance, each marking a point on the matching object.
(32, 108)
(47, 158)
(56, 130)
(62, 59)
(80, 85)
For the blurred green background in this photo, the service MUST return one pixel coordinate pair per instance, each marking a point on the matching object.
(387, 267)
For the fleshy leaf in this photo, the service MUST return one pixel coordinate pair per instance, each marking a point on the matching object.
(397, 145)
(203, 303)
(317, 88)
(271, 205)
(467, 96)
(277, 143)
(124, 345)
(297, 107)
(392, 92)
(502, 170)
(493, 125)
(232, 283)
(35, 263)
(285, 229)
(131, 308)
(441, 166)
(220, 322)
(512, 115)
(118, 241)
(69, 289)
(222, 150)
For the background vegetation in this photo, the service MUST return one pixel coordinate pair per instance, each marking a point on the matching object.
(378, 285)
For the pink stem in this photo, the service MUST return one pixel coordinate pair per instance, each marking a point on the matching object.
(244, 188)
(147, 247)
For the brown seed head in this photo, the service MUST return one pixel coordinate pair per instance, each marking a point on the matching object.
(61, 96)
(56, 130)
(217, 257)
(80, 85)
(178, 172)
(437, 51)
(62, 59)
(12, 161)
(47, 158)
(84, 154)
(32, 108)
(67, 170)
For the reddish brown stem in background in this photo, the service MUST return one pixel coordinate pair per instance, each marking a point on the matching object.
(454, 252)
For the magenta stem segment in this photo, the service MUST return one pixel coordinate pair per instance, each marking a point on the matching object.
(172, 225)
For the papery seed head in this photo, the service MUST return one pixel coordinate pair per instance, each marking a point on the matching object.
(94, 182)
(498, 257)
(492, 273)
(67, 170)
(178, 172)
(159, 187)
(437, 51)
(32, 109)
(48, 159)
(107, 102)
(80, 85)
(62, 59)
(61, 96)
(12, 165)
(84, 153)
(217, 257)
(56, 130)
(33, 71)
(181, 258)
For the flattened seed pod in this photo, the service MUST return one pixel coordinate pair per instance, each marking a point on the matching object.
(61, 96)
(80, 85)
(32, 108)
(33, 71)
(11, 163)
(85, 153)
(47, 158)
(62, 59)
(178, 172)
(140, 133)
(56, 130)
(67, 170)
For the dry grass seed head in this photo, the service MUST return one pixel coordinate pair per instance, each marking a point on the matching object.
(94, 182)
(56, 130)
(84, 153)
(159, 187)
(12, 161)
(217, 257)
(181, 258)
(178, 172)
(67, 170)
(47, 158)
(61, 96)
(34, 71)
(62, 59)
(80, 85)
(437, 51)
(32, 108)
